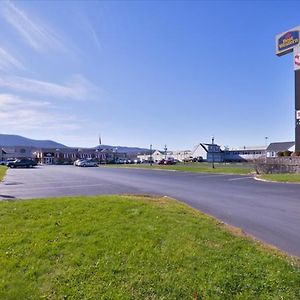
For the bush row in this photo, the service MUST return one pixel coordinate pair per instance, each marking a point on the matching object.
(288, 153)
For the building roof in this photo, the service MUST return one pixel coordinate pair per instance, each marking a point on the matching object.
(280, 146)
(250, 148)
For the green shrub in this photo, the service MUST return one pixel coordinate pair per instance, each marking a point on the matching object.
(280, 154)
(287, 153)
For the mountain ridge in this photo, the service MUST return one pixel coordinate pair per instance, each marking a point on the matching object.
(11, 140)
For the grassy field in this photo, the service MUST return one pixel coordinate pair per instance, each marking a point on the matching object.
(125, 247)
(281, 177)
(220, 168)
(2, 172)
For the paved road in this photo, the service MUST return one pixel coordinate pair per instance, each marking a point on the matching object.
(269, 211)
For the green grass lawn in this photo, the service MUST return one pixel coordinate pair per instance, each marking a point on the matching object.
(220, 168)
(2, 172)
(281, 177)
(126, 247)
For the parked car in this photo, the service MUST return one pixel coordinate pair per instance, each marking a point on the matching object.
(167, 161)
(170, 162)
(87, 163)
(76, 162)
(5, 162)
(198, 159)
(121, 161)
(22, 163)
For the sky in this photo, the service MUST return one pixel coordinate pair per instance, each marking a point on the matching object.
(147, 72)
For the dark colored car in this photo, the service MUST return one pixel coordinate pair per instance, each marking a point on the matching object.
(170, 162)
(162, 162)
(22, 163)
(167, 162)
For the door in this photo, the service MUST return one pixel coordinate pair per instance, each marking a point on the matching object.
(48, 160)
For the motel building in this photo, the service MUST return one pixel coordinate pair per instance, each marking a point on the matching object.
(50, 156)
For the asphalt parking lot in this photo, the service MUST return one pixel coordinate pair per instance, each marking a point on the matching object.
(268, 211)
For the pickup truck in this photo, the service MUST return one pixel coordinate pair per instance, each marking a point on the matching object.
(22, 163)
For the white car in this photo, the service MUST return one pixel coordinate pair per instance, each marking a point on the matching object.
(76, 162)
(87, 163)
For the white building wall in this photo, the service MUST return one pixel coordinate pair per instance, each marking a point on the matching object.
(159, 155)
(199, 151)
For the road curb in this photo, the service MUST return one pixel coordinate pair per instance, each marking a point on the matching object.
(272, 181)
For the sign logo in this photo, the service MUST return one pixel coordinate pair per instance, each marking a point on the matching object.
(48, 154)
(297, 114)
(288, 40)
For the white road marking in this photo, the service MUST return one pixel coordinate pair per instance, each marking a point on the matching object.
(240, 178)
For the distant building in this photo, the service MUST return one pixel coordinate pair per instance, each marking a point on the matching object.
(214, 153)
(274, 148)
(245, 153)
(157, 155)
(200, 151)
(17, 152)
(61, 155)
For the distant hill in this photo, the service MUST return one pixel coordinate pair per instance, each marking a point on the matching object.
(123, 149)
(9, 140)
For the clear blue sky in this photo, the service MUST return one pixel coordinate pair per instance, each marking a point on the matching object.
(141, 72)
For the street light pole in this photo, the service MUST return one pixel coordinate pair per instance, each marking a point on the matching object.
(151, 155)
(266, 141)
(213, 150)
(165, 152)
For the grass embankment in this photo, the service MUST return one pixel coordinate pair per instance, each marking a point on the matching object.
(294, 178)
(2, 172)
(125, 247)
(196, 167)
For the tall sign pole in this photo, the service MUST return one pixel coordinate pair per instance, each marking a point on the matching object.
(297, 96)
(287, 42)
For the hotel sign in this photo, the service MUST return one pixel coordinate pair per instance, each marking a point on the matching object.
(48, 154)
(287, 41)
